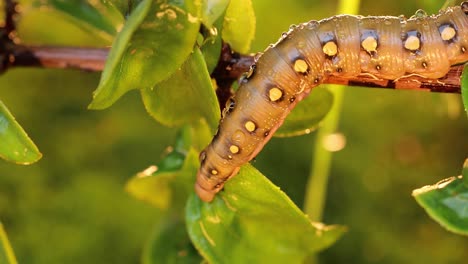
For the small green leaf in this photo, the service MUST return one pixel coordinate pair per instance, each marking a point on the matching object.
(15, 145)
(252, 221)
(109, 89)
(170, 244)
(6, 252)
(239, 25)
(157, 38)
(447, 202)
(464, 86)
(212, 10)
(185, 97)
(167, 185)
(308, 113)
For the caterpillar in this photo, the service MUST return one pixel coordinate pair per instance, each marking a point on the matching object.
(385, 47)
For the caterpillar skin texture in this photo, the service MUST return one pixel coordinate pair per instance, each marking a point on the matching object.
(385, 47)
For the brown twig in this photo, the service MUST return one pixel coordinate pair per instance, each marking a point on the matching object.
(90, 59)
(7, 34)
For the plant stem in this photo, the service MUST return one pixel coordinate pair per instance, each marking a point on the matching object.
(316, 190)
(6, 252)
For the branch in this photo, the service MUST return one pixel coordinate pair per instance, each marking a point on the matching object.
(230, 67)
(90, 59)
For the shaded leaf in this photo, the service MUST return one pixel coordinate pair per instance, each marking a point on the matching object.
(464, 86)
(252, 221)
(212, 10)
(168, 186)
(15, 145)
(239, 25)
(170, 244)
(185, 97)
(447, 202)
(154, 42)
(308, 113)
(101, 17)
(6, 252)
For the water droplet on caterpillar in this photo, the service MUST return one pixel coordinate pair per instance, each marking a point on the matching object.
(420, 14)
(238, 137)
(301, 44)
(312, 25)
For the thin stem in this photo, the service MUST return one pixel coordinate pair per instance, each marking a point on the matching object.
(316, 189)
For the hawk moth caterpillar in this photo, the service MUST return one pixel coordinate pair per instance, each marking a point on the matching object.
(385, 47)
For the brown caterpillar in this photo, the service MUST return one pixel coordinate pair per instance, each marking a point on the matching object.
(383, 46)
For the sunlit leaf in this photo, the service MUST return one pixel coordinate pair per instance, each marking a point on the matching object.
(239, 25)
(308, 113)
(185, 97)
(464, 86)
(154, 42)
(252, 221)
(6, 252)
(170, 244)
(15, 145)
(212, 10)
(447, 202)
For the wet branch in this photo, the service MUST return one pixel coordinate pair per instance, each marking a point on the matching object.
(230, 67)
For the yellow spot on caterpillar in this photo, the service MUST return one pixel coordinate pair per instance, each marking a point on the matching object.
(275, 94)
(369, 44)
(214, 172)
(448, 33)
(250, 126)
(330, 48)
(234, 149)
(300, 66)
(412, 43)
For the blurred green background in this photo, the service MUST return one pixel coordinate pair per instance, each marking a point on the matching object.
(70, 207)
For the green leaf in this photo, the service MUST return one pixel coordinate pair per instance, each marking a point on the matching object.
(101, 17)
(154, 42)
(167, 185)
(15, 144)
(252, 221)
(239, 25)
(185, 97)
(212, 10)
(6, 252)
(447, 202)
(464, 86)
(308, 113)
(170, 244)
